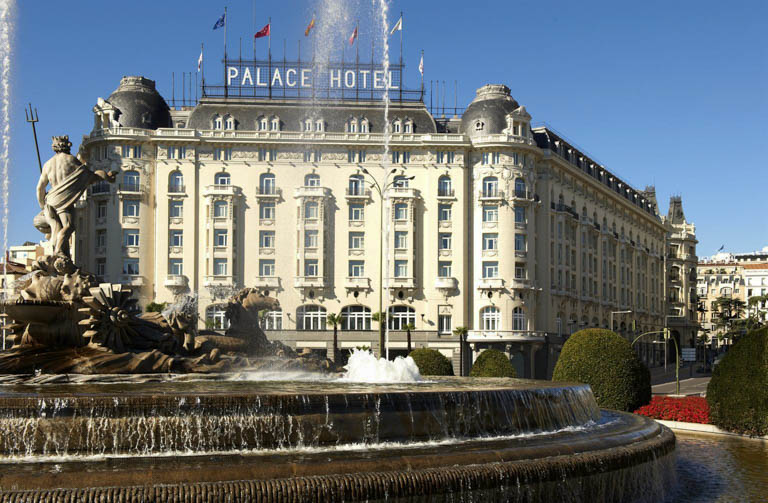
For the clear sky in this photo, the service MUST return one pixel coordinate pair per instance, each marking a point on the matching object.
(666, 93)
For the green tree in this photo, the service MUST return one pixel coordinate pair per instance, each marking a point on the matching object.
(729, 319)
(155, 307)
(335, 320)
(461, 333)
(408, 327)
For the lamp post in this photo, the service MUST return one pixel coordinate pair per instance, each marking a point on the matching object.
(381, 191)
(618, 312)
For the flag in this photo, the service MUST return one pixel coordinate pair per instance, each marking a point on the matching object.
(310, 26)
(353, 37)
(264, 32)
(398, 26)
(200, 61)
(221, 21)
(721, 248)
(421, 65)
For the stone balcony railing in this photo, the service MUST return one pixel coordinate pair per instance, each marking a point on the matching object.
(490, 284)
(266, 282)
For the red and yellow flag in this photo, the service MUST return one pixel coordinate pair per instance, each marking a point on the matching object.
(309, 27)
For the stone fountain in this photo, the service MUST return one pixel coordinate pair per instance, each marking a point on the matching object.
(99, 403)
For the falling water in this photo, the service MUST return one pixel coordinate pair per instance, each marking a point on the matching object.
(384, 10)
(363, 366)
(6, 33)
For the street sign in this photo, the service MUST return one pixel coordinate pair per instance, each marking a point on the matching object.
(689, 354)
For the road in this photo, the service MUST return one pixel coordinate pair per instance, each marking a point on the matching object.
(688, 386)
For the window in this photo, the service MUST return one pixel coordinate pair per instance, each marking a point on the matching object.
(519, 187)
(175, 267)
(445, 157)
(101, 238)
(520, 242)
(401, 268)
(444, 212)
(490, 241)
(273, 320)
(219, 267)
(131, 151)
(319, 126)
(520, 272)
(177, 152)
(229, 123)
(176, 182)
(131, 266)
(266, 239)
(275, 124)
(485, 158)
(267, 267)
(444, 241)
(495, 157)
(312, 181)
(400, 181)
(355, 318)
(444, 269)
(356, 240)
(215, 316)
(490, 270)
(490, 318)
(310, 238)
(267, 184)
(308, 125)
(101, 209)
(401, 156)
(401, 211)
(400, 316)
(356, 185)
(356, 268)
(310, 318)
(218, 123)
(222, 179)
(263, 124)
(311, 268)
(267, 211)
(396, 126)
(130, 208)
(490, 186)
(407, 127)
(401, 240)
(444, 188)
(352, 126)
(101, 267)
(310, 210)
(356, 212)
(222, 154)
(444, 324)
(131, 181)
(220, 237)
(519, 215)
(220, 209)
(518, 319)
(176, 238)
(490, 213)
(307, 156)
(175, 209)
(364, 126)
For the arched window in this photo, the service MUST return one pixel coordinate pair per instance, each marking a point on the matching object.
(518, 319)
(263, 123)
(400, 181)
(131, 180)
(365, 126)
(275, 124)
(273, 320)
(352, 126)
(400, 316)
(310, 318)
(229, 122)
(217, 122)
(267, 184)
(308, 125)
(490, 318)
(397, 126)
(356, 185)
(215, 317)
(444, 187)
(319, 125)
(312, 180)
(490, 186)
(519, 187)
(408, 126)
(355, 318)
(222, 179)
(220, 209)
(176, 182)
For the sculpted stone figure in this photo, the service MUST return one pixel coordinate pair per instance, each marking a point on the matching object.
(69, 178)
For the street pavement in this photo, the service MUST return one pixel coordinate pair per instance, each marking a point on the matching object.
(691, 382)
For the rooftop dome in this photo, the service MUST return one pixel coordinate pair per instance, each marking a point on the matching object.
(488, 111)
(140, 105)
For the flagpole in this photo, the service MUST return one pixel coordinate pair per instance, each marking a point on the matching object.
(226, 88)
(421, 64)
(401, 58)
(254, 30)
(269, 55)
(357, 63)
(202, 70)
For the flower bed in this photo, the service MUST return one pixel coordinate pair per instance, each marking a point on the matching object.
(690, 409)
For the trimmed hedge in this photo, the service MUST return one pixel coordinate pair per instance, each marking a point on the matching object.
(492, 363)
(431, 362)
(738, 391)
(605, 361)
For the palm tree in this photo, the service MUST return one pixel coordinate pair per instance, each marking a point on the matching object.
(461, 332)
(335, 320)
(408, 327)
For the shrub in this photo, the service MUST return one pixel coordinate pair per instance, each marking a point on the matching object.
(738, 391)
(155, 307)
(431, 362)
(606, 362)
(689, 409)
(492, 363)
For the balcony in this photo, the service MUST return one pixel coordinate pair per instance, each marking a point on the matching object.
(504, 335)
(307, 191)
(402, 192)
(309, 282)
(357, 283)
(358, 193)
(491, 195)
(130, 188)
(490, 284)
(132, 280)
(177, 188)
(267, 282)
(564, 208)
(176, 281)
(446, 284)
(521, 283)
(445, 193)
(218, 281)
(222, 190)
(401, 283)
(268, 192)
(100, 188)
(522, 195)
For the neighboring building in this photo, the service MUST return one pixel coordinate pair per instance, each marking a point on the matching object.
(27, 253)
(756, 282)
(715, 280)
(491, 224)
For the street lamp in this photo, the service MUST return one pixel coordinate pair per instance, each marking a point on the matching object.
(383, 322)
(617, 312)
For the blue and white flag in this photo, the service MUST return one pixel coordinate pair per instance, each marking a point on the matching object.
(221, 21)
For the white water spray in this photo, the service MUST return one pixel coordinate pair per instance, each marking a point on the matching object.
(384, 14)
(7, 8)
(363, 366)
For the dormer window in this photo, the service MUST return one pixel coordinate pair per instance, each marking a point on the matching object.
(308, 125)
(275, 124)
(397, 126)
(408, 126)
(229, 122)
(352, 126)
(217, 122)
(263, 124)
(319, 126)
(364, 126)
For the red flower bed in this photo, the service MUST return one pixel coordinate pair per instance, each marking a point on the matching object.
(690, 409)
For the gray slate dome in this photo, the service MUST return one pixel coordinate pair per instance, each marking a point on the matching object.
(489, 108)
(140, 105)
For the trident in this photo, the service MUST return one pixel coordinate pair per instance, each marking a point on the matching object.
(32, 117)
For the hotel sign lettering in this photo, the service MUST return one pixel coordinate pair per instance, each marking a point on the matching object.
(279, 75)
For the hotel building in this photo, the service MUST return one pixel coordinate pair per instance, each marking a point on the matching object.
(485, 222)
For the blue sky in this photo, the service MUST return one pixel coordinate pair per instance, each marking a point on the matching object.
(666, 93)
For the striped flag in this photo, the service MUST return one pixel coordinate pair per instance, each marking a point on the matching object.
(398, 26)
(310, 26)
(353, 37)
